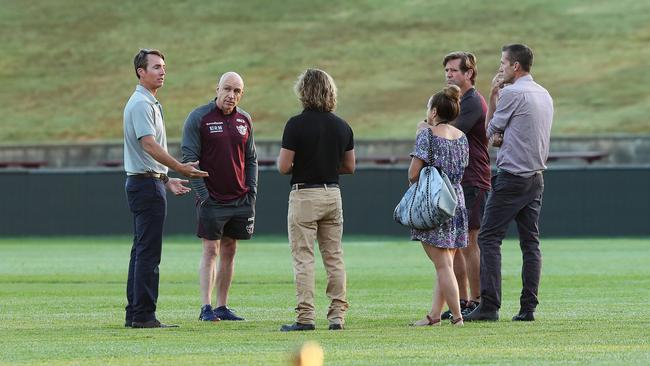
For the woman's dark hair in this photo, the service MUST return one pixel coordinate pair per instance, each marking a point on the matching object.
(447, 103)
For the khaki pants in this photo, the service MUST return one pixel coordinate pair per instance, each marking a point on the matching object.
(317, 213)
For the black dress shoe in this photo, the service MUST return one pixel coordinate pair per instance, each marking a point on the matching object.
(527, 316)
(297, 326)
(480, 315)
(336, 326)
(152, 324)
(128, 324)
(466, 307)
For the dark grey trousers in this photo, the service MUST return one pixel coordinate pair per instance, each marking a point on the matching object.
(518, 198)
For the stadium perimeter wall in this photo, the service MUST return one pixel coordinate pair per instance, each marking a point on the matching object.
(617, 150)
(577, 202)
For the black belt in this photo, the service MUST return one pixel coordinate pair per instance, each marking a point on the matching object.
(313, 185)
(162, 176)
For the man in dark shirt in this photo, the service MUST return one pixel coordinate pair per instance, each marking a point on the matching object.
(461, 70)
(317, 146)
(221, 135)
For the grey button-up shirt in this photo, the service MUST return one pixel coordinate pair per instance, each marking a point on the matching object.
(142, 117)
(524, 114)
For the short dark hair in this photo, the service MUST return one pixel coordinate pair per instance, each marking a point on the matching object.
(467, 62)
(140, 59)
(447, 103)
(519, 53)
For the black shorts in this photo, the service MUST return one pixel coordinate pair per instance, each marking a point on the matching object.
(475, 204)
(235, 219)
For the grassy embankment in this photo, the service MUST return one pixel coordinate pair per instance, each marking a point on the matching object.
(66, 71)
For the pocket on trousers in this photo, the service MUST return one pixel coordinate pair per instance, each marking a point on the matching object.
(250, 207)
(509, 185)
(206, 209)
(338, 212)
(140, 193)
(300, 210)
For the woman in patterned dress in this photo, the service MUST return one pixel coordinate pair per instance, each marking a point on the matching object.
(450, 154)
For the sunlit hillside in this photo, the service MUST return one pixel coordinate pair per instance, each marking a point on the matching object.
(66, 66)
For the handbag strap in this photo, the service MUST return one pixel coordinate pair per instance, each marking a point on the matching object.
(431, 153)
(430, 162)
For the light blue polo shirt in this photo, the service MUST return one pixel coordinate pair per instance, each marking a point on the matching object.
(142, 116)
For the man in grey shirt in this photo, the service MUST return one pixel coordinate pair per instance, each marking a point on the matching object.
(146, 162)
(520, 114)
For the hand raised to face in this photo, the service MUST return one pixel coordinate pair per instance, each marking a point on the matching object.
(496, 140)
(422, 125)
(498, 81)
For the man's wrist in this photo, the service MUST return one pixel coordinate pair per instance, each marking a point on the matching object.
(177, 167)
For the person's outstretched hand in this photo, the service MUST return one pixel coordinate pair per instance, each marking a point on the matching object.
(176, 186)
(190, 170)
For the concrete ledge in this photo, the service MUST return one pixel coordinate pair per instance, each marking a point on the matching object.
(615, 149)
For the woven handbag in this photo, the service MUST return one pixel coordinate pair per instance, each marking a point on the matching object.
(431, 201)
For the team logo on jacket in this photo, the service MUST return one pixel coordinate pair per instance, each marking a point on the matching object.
(242, 129)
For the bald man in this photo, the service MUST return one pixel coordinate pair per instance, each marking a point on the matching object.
(221, 134)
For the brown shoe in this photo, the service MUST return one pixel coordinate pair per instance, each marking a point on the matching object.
(457, 321)
(152, 324)
(427, 321)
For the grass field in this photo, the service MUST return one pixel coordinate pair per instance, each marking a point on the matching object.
(62, 304)
(66, 73)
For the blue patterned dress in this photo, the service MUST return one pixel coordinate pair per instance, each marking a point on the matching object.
(451, 156)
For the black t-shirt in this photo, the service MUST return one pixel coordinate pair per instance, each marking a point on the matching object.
(319, 140)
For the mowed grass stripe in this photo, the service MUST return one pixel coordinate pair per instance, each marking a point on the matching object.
(62, 304)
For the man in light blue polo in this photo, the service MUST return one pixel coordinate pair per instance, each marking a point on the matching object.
(146, 162)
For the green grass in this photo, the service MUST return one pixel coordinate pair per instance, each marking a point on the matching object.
(62, 304)
(66, 73)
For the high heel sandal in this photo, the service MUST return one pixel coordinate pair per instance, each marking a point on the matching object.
(457, 322)
(430, 321)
